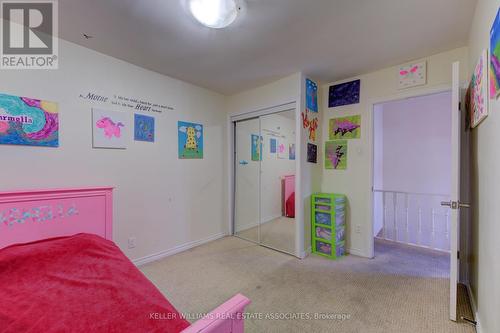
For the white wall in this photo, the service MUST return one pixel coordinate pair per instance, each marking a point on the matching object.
(310, 173)
(378, 167)
(356, 181)
(162, 201)
(279, 92)
(416, 145)
(485, 274)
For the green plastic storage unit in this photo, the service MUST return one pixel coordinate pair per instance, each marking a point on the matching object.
(328, 224)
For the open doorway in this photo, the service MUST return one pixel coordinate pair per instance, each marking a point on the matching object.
(411, 177)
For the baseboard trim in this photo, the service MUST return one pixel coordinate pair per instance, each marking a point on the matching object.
(306, 252)
(357, 252)
(176, 249)
(474, 308)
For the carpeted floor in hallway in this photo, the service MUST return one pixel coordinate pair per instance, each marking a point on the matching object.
(403, 289)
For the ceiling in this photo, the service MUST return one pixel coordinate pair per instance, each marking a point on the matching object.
(326, 39)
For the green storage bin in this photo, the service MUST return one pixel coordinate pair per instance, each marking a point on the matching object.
(328, 224)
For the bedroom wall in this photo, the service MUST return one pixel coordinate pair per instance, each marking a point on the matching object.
(164, 202)
(485, 266)
(356, 181)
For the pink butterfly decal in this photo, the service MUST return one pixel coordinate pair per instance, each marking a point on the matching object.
(412, 70)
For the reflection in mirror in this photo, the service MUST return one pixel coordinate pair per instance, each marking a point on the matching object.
(277, 191)
(247, 169)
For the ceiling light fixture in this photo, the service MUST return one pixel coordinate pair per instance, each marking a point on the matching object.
(215, 14)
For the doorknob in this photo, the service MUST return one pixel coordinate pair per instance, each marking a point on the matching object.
(455, 204)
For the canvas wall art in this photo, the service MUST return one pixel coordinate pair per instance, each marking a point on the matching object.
(256, 147)
(495, 57)
(109, 129)
(312, 153)
(291, 151)
(479, 92)
(412, 75)
(190, 140)
(311, 96)
(345, 128)
(282, 151)
(272, 146)
(28, 121)
(336, 154)
(310, 123)
(344, 93)
(144, 128)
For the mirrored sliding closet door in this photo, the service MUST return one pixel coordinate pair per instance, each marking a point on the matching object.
(265, 180)
(247, 178)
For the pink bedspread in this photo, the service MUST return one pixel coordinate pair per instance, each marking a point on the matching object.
(81, 283)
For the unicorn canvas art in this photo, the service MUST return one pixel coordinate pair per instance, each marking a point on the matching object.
(109, 129)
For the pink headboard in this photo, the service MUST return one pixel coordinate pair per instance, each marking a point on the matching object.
(27, 216)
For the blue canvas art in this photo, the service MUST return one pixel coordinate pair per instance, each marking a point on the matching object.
(344, 94)
(144, 128)
(311, 96)
(272, 145)
(256, 147)
(291, 151)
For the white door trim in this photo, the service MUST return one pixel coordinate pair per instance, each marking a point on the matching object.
(404, 94)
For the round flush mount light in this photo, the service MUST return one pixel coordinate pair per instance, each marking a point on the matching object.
(215, 14)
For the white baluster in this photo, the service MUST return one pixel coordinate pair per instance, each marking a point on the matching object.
(433, 231)
(419, 233)
(407, 218)
(447, 225)
(384, 233)
(394, 202)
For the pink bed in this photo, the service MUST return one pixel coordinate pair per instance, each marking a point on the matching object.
(53, 280)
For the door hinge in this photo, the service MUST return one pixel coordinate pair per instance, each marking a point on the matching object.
(458, 255)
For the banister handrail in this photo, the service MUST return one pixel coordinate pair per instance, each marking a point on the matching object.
(412, 193)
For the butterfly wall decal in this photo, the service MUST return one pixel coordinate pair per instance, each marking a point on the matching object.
(412, 75)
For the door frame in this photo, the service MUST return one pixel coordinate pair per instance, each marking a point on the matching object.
(232, 118)
(417, 92)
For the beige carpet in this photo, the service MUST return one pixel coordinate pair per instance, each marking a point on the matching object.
(402, 290)
(278, 233)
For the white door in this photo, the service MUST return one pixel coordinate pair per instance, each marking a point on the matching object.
(455, 203)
